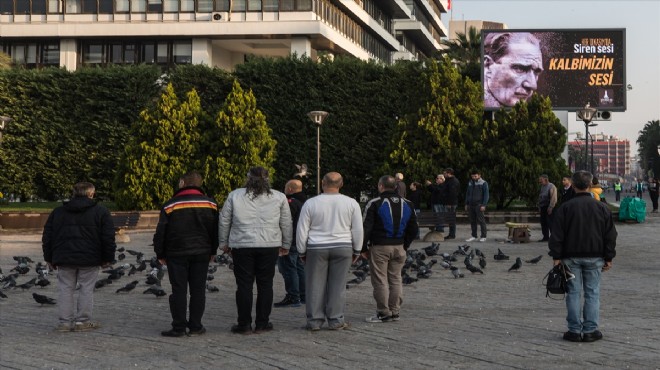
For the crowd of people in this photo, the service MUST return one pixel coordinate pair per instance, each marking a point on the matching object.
(314, 242)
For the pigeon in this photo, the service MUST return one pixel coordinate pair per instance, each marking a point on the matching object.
(155, 290)
(9, 281)
(143, 266)
(152, 280)
(133, 253)
(432, 249)
(302, 171)
(128, 287)
(407, 279)
(212, 288)
(456, 272)
(2, 295)
(357, 280)
(121, 256)
(535, 260)
(42, 269)
(133, 270)
(23, 259)
(210, 277)
(482, 262)
(42, 299)
(474, 269)
(477, 251)
(500, 256)
(101, 283)
(516, 266)
(445, 264)
(42, 281)
(213, 269)
(27, 285)
(121, 249)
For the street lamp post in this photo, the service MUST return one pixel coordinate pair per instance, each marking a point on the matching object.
(318, 116)
(586, 114)
(3, 121)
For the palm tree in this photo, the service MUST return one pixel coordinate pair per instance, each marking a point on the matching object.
(465, 52)
(649, 142)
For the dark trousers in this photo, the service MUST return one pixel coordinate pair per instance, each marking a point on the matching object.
(477, 218)
(187, 272)
(252, 264)
(654, 199)
(617, 193)
(546, 222)
(293, 272)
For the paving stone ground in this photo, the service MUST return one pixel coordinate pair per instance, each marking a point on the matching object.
(497, 320)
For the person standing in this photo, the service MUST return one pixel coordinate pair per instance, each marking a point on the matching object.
(639, 187)
(437, 196)
(255, 227)
(329, 238)
(617, 190)
(596, 190)
(567, 192)
(400, 185)
(450, 200)
(186, 240)
(476, 200)
(78, 237)
(584, 239)
(390, 226)
(653, 193)
(547, 202)
(290, 265)
(415, 196)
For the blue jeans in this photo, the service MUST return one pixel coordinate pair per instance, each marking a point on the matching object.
(587, 277)
(293, 272)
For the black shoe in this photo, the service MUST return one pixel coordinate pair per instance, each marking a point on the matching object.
(572, 337)
(241, 329)
(263, 329)
(592, 337)
(543, 240)
(197, 332)
(450, 237)
(288, 301)
(173, 333)
(302, 299)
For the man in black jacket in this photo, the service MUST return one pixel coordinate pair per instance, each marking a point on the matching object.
(390, 224)
(78, 238)
(290, 265)
(450, 200)
(186, 240)
(584, 239)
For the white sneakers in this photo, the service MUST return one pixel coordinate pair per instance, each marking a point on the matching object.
(473, 239)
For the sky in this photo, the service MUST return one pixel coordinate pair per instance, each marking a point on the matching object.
(640, 18)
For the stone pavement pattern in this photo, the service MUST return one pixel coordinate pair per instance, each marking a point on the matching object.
(492, 321)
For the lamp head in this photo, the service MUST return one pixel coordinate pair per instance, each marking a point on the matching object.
(317, 116)
(3, 121)
(587, 113)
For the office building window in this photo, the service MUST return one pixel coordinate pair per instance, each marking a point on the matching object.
(138, 6)
(22, 6)
(130, 53)
(254, 5)
(170, 6)
(89, 6)
(187, 5)
(50, 54)
(238, 5)
(162, 53)
(222, 5)
(304, 5)
(6, 7)
(182, 52)
(155, 6)
(105, 6)
(116, 54)
(72, 6)
(204, 5)
(122, 6)
(39, 6)
(92, 54)
(270, 5)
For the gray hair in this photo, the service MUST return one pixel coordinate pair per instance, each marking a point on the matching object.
(582, 180)
(83, 189)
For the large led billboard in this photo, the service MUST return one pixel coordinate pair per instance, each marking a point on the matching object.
(572, 67)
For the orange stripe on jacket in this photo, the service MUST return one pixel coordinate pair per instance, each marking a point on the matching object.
(190, 204)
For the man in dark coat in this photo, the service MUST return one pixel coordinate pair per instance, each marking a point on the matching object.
(78, 238)
(186, 240)
(583, 238)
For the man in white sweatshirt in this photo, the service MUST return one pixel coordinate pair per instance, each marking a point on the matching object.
(329, 238)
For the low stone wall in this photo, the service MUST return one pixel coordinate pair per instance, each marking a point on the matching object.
(37, 220)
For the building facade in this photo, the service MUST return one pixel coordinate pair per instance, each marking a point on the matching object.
(218, 33)
(611, 155)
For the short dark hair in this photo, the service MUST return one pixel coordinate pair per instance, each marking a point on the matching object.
(388, 182)
(83, 189)
(449, 170)
(192, 178)
(582, 180)
(475, 172)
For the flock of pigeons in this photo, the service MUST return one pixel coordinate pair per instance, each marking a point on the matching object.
(151, 270)
(419, 264)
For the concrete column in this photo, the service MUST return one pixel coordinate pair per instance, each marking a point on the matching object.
(301, 46)
(68, 54)
(202, 52)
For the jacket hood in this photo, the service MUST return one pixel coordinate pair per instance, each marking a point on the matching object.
(79, 204)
